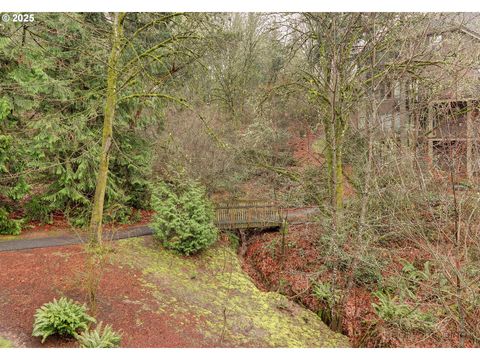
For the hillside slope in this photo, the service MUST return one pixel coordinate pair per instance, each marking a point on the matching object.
(156, 298)
(215, 297)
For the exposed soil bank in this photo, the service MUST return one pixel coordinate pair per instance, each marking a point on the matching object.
(295, 267)
(301, 265)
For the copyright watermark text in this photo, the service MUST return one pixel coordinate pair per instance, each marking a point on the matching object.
(21, 18)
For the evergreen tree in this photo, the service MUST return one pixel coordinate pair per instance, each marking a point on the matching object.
(52, 96)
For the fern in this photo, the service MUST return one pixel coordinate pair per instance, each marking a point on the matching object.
(63, 317)
(99, 338)
(402, 315)
(324, 292)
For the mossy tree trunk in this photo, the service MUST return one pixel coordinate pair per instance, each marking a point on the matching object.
(95, 233)
(335, 125)
(109, 116)
(334, 137)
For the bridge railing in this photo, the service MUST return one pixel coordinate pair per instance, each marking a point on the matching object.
(242, 214)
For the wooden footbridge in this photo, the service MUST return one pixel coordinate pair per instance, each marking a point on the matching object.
(248, 214)
(233, 215)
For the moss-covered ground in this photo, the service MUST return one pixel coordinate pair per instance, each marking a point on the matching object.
(4, 343)
(212, 294)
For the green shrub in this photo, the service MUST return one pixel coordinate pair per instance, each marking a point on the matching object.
(184, 217)
(99, 338)
(8, 226)
(63, 317)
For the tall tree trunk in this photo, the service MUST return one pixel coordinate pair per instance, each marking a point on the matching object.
(339, 188)
(336, 134)
(329, 159)
(95, 236)
(94, 259)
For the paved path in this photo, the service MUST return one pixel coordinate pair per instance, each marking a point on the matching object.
(294, 216)
(70, 239)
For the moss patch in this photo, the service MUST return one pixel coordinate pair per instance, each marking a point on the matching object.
(210, 292)
(4, 343)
